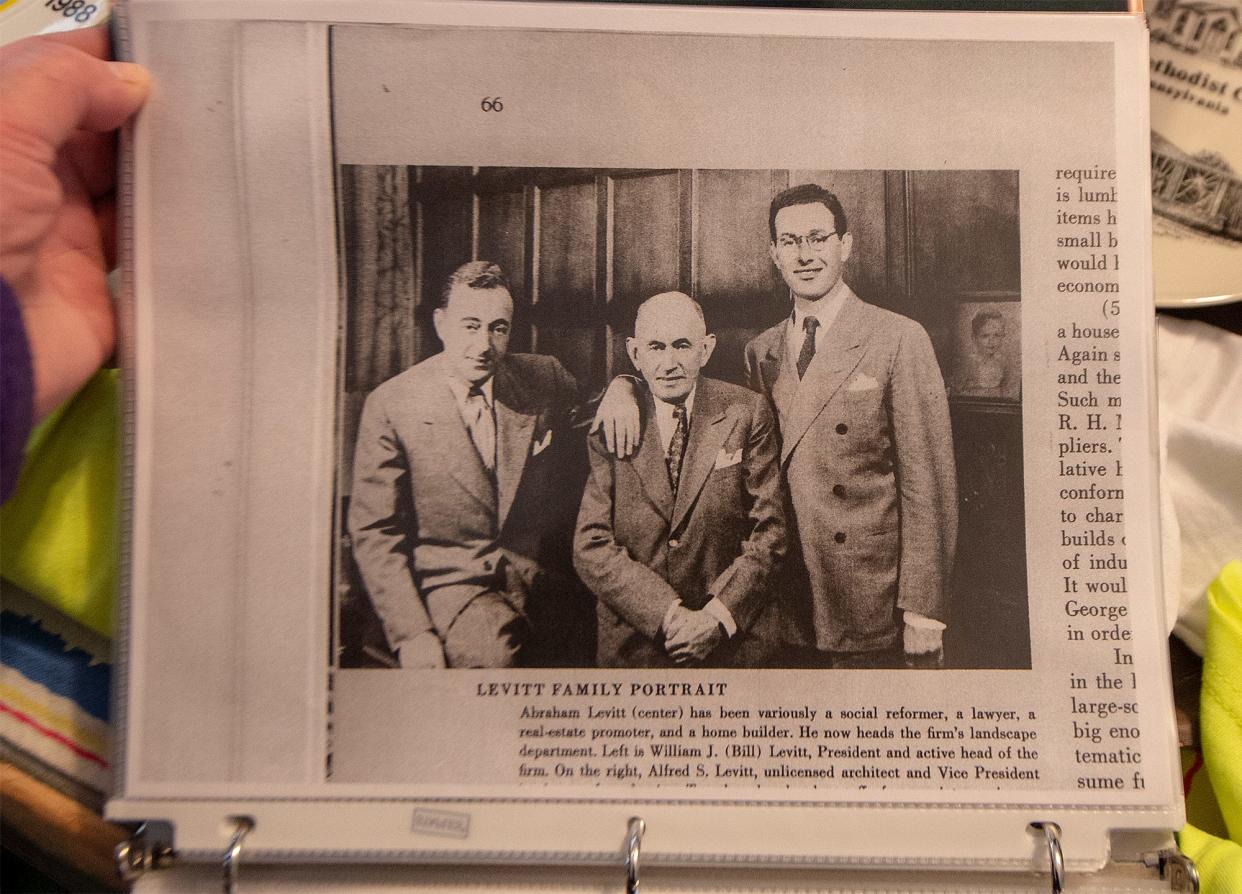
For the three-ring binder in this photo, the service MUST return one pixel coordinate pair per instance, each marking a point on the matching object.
(149, 849)
(308, 149)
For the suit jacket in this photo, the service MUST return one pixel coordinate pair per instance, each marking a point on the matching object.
(431, 528)
(867, 451)
(639, 549)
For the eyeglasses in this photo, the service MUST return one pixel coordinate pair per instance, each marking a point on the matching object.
(816, 241)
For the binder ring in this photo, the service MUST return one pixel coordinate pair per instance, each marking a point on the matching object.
(1056, 859)
(1179, 869)
(232, 856)
(633, 845)
(141, 852)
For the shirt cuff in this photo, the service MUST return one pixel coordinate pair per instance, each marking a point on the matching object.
(721, 613)
(914, 619)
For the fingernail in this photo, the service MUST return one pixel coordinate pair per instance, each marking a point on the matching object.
(130, 72)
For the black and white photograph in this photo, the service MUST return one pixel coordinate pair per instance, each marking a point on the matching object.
(552, 414)
(988, 354)
(679, 418)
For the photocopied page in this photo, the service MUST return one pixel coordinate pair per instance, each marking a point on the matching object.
(548, 415)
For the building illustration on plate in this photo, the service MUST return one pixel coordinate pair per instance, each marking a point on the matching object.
(1208, 28)
(1200, 190)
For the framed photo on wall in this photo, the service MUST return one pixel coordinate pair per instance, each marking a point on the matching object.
(987, 363)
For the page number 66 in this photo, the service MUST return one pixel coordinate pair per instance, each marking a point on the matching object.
(492, 104)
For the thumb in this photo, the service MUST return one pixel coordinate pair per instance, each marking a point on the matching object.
(50, 88)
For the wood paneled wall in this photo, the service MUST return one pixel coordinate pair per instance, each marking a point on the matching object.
(583, 248)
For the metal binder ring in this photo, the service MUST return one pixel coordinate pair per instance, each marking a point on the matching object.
(633, 845)
(1056, 859)
(1175, 866)
(232, 856)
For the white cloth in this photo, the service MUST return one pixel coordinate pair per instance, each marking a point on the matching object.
(1199, 380)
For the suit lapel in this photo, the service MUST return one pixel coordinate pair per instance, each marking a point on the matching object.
(515, 424)
(771, 367)
(842, 349)
(784, 377)
(708, 432)
(461, 459)
(650, 464)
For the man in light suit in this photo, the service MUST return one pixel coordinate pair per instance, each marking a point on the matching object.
(866, 448)
(680, 542)
(457, 504)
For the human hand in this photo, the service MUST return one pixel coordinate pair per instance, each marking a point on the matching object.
(61, 101)
(922, 641)
(676, 615)
(423, 652)
(617, 416)
(694, 636)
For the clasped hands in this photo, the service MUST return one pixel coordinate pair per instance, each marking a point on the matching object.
(690, 636)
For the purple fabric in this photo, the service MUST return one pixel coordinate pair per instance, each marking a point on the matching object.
(16, 390)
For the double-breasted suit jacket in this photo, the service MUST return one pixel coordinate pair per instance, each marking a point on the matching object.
(431, 527)
(867, 452)
(639, 548)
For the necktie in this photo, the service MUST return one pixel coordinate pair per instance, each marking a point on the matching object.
(482, 425)
(809, 325)
(677, 446)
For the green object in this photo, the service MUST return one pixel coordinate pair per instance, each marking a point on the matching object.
(1220, 730)
(58, 532)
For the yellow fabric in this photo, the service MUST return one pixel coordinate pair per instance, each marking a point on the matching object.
(1220, 730)
(58, 531)
(1201, 807)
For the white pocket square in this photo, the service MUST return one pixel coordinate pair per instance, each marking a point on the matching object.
(543, 444)
(863, 382)
(725, 459)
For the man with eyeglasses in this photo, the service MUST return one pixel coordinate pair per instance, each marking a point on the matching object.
(866, 449)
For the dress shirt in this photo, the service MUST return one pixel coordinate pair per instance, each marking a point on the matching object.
(825, 310)
(461, 393)
(667, 423)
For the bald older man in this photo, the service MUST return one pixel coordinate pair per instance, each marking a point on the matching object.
(680, 541)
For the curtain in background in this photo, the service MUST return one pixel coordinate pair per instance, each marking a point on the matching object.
(381, 276)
